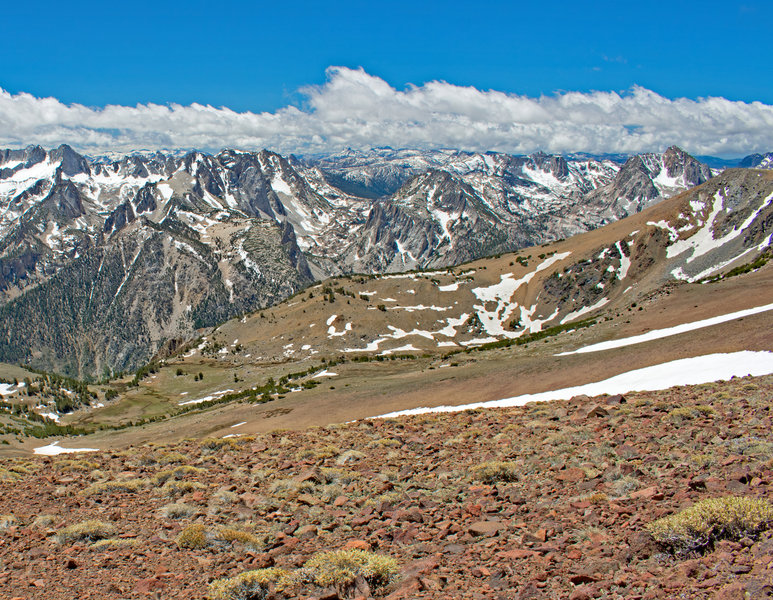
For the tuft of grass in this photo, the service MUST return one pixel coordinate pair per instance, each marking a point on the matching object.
(230, 535)
(496, 471)
(86, 531)
(177, 473)
(44, 521)
(340, 568)
(113, 544)
(171, 458)
(117, 485)
(194, 536)
(68, 465)
(175, 488)
(7, 521)
(177, 510)
(700, 526)
(250, 585)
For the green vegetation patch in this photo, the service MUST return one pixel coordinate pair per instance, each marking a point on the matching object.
(495, 471)
(86, 531)
(700, 526)
(250, 585)
(759, 262)
(340, 568)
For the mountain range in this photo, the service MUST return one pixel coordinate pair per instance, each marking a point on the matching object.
(107, 261)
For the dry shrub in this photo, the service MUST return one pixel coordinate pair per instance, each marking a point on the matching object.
(496, 471)
(700, 526)
(177, 510)
(86, 531)
(250, 585)
(340, 568)
(117, 485)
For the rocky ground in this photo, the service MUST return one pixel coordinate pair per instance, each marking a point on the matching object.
(545, 501)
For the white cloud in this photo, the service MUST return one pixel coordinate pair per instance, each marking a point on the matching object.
(356, 109)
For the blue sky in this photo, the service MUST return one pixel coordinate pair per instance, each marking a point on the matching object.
(256, 56)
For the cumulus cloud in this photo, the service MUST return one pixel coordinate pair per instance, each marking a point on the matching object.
(356, 109)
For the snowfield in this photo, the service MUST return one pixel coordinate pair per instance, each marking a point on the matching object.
(657, 334)
(685, 371)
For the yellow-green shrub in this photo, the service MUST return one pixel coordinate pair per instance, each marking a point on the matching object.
(117, 485)
(339, 568)
(91, 531)
(113, 543)
(701, 525)
(496, 471)
(193, 536)
(176, 473)
(250, 585)
(75, 465)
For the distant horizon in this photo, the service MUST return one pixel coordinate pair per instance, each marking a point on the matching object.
(613, 156)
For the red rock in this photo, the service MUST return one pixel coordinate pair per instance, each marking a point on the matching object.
(571, 474)
(647, 493)
(314, 475)
(581, 593)
(485, 528)
(357, 544)
(146, 586)
(596, 411)
(307, 531)
(308, 500)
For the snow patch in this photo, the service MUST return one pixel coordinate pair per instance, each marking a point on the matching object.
(625, 263)
(325, 373)
(406, 348)
(685, 371)
(583, 311)
(212, 396)
(657, 334)
(703, 240)
(54, 450)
